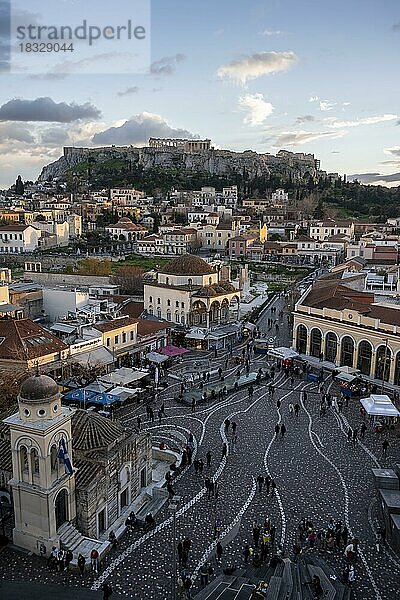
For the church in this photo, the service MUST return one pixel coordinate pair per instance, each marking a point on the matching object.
(73, 472)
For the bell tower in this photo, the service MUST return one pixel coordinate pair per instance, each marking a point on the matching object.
(43, 488)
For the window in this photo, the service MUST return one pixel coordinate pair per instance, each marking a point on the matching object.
(108, 342)
(169, 316)
(116, 339)
(168, 302)
(159, 313)
(150, 311)
(182, 305)
(158, 300)
(190, 281)
(150, 298)
(177, 304)
(124, 338)
(131, 335)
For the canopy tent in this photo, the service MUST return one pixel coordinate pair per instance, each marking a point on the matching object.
(172, 351)
(97, 386)
(379, 406)
(195, 335)
(124, 393)
(98, 357)
(282, 352)
(80, 395)
(350, 370)
(346, 377)
(123, 376)
(156, 357)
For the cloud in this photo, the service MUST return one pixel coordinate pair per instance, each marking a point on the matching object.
(257, 65)
(325, 105)
(395, 151)
(375, 178)
(55, 136)
(297, 138)
(256, 107)
(271, 33)
(138, 129)
(336, 123)
(45, 109)
(166, 65)
(130, 90)
(396, 26)
(305, 119)
(17, 132)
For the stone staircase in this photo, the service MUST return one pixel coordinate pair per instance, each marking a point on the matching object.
(72, 539)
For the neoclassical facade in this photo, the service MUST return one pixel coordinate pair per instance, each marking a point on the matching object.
(189, 291)
(348, 328)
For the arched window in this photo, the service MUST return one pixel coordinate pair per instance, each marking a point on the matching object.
(54, 461)
(364, 357)
(158, 300)
(159, 313)
(190, 281)
(35, 462)
(383, 358)
(167, 280)
(177, 317)
(397, 370)
(315, 343)
(347, 354)
(183, 318)
(331, 347)
(23, 455)
(168, 315)
(301, 339)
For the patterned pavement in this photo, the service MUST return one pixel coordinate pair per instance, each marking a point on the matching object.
(319, 476)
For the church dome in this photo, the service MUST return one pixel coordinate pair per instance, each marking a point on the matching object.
(187, 264)
(38, 388)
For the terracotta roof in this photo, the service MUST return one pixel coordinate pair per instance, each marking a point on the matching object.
(114, 324)
(132, 309)
(91, 431)
(14, 227)
(331, 293)
(146, 327)
(26, 340)
(187, 264)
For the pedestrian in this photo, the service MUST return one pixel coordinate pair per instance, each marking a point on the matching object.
(363, 429)
(277, 430)
(385, 446)
(224, 450)
(234, 427)
(267, 483)
(193, 405)
(278, 404)
(187, 585)
(139, 422)
(291, 409)
(218, 551)
(273, 485)
(246, 553)
(283, 430)
(60, 560)
(94, 560)
(349, 434)
(260, 482)
(67, 559)
(180, 551)
(355, 434)
(227, 424)
(296, 409)
(107, 590)
(163, 409)
(350, 575)
(160, 414)
(208, 458)
(204, 575)
(81, 564)
(151, 414)
(340, 405)
(256, 533)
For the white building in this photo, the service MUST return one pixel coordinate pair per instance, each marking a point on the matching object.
(17, 239)
(126, 230)
(126, 196)
(321, 230)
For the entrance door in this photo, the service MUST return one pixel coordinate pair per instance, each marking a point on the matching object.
(143, 478)
(61, 508)
(124, 498)
(101, 520)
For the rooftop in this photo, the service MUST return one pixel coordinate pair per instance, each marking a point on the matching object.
(187, 264)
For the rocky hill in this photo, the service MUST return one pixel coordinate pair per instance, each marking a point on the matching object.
(121, 164)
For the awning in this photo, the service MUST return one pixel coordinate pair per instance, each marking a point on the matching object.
(172, 351)
(156, 357)
(124, 393)
(282, 353)
(123, 377)
(9, 308)
(97, 386)
(98, 357)
(80, 395)
(63, 328)
(346, 377)
(195, 335)
(379, 405)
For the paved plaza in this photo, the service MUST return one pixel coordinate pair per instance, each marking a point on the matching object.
(319, 475)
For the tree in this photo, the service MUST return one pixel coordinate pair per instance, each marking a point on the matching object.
(319, 211)
(130, 279)
(92, 266)
(19, 186)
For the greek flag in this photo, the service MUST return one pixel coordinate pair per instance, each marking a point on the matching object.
(63, 455)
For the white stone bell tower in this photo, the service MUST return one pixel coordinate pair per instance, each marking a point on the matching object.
(43, 492)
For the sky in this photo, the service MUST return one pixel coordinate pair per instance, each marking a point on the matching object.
(303, 75)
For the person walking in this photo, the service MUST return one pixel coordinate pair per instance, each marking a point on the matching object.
(139, 422)
(107, 590)
(218, 551)
(385, 446)
(363, 429)
(208, 458)
(349, 434)
(81, 564)
(256, 533)
(267, 483)
(278, 404)
(68, 558)
(204, 575)
(355, 435)
(234, 427)
(260, 482)
(179, 549)
(224, 450)
(291, 409)
(94, 560)
(246, 553)
(296, 409)
(283, 430)
(160, 415)
(277, 430)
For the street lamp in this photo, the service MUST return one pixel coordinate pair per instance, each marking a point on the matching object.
(173, 508)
